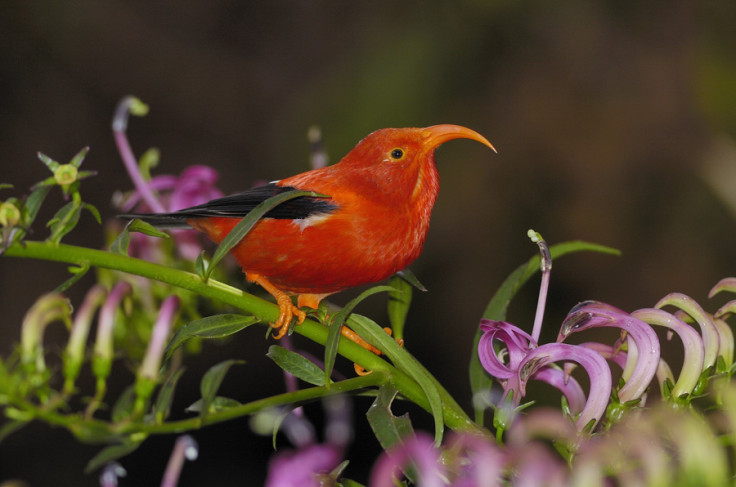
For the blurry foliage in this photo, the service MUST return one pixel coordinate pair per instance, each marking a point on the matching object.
(603, 113)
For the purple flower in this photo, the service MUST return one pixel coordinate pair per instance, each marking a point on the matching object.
(163, 193)
(311, 463)
(519, 359)
(303, 467)
(525, 361)
(643, 345)
(418, 450)
(184, 449)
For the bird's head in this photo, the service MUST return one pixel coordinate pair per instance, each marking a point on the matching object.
(404, 157)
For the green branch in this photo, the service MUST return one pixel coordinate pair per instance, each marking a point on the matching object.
(453, 416)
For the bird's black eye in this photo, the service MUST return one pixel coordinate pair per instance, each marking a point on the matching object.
(397, 154)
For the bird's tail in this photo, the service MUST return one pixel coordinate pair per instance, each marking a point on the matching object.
(160, 220)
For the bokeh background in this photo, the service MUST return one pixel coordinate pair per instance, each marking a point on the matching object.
(614, 123)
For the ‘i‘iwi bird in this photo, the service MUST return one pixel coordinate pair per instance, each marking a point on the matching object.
(372, 224)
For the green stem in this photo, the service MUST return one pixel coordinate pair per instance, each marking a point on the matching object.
(454, 417)
(298, 397)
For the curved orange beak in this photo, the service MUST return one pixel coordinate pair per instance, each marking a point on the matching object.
(439, 134)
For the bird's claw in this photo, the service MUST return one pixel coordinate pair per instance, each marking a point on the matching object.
(350, 334)
(287, 311)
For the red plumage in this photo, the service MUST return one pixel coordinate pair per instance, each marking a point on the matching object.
(381, 197)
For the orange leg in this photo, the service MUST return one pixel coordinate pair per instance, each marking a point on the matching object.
(287, 310)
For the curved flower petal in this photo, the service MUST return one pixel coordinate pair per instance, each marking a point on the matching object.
(535, 464)
(419, 450)
(592, 314)
(726, 284)
(545, 423)
(709, 332)
(517, 342)
(694, 352)
(594, 364)
(302, 467)
(484, 464)
(566, 384)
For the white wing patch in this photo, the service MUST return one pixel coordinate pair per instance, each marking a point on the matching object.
(311, 220)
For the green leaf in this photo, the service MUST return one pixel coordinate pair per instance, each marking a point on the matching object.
(48, 162)
(211, 381)
(404, 361)
(216, 326)
(111, 453)
(409, 277)
(201, 265)
(94, 211)
(11, 427)
(138, 225)
(165, 396)
(297, 365)
(64, 221)
(389, 430)
(497, 307)
(79, 157)
(399, 301)
(33, 203)
(240, 230)
(219, 403)
(122, 241)
(77, 274)
(124, 405)
(333, 335)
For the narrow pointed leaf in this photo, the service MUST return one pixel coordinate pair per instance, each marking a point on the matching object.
(11, 427)
(121, 243)
(409, 277)
(333, 335)
(79, 157)
(34, 202)
(95, 212)
(64, 221)
(297, 365)
(123, 407)
(137, 225)
(399, 301)
(111, 453)
(219, 403)
(77, 274)
(244, 226)
(376, 336)
(48, 162)
(216, 326)
(211, 382)
(165, 396)
(201, 264)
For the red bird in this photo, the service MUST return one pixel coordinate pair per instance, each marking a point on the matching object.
(373, 224)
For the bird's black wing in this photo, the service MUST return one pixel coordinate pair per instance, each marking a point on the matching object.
(240, 204)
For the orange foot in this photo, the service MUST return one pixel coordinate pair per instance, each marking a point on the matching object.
(287, 310)
(351, 335)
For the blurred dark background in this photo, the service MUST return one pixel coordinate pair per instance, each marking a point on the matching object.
(614, 123)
